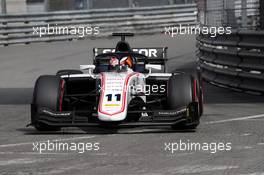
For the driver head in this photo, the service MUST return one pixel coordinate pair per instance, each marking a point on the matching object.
(113, 62)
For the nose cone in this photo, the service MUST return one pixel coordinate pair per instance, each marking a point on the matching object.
(113, 98)
(112, 117)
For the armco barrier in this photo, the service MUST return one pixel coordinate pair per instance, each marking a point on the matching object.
(15, 29)
(235, 61)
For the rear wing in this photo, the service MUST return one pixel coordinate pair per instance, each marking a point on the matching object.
(155, 55)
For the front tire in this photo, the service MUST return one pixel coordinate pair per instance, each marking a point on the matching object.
(182, 91)
(48, 93)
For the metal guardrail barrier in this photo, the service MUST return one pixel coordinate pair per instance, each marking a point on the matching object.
(234, 61)
(15, 29)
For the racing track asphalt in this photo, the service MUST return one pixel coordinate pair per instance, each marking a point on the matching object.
(229, 117)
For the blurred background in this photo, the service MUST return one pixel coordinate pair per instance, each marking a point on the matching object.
(35, 6)
(233, 13)
(234, 61)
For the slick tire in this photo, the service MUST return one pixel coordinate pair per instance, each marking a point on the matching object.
(181, 93)
(48, 93)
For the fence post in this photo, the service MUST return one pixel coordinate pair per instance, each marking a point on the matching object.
(3, 6)
(171, 2)
(46, 5)
(244, 13)
(261, 14)
(130, 3)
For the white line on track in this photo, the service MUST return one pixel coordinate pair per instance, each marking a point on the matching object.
(236, 119)
(29, 143)
(195, 169)
(20, 161)
(52, 153)
(260, 144)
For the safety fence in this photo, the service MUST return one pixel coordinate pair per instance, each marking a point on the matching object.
(234, 61)
(21, 28)
(231, 13)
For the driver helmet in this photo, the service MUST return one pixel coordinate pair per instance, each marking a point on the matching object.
(127, 61)
(113, 62)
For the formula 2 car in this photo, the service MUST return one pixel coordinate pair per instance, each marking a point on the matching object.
(123, 87)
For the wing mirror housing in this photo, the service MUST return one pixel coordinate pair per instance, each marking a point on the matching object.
(90, 69)
(87, 67)
(152, 66)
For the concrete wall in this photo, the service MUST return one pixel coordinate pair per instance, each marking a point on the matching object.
(36, 7)
(97, 4)
(142, 3)
(108, 4)
(16, 6)
(21, 6)
(56, 5)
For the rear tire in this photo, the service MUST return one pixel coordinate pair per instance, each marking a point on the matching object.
(48, 93)
(181, 93)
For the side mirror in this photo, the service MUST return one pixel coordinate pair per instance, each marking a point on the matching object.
(87, 67)
(90, 69)
(150, 67)
(153, 66)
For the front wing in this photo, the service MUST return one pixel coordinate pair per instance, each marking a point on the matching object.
(89, 118)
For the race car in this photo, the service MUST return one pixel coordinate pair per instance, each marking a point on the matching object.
(123, 87)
